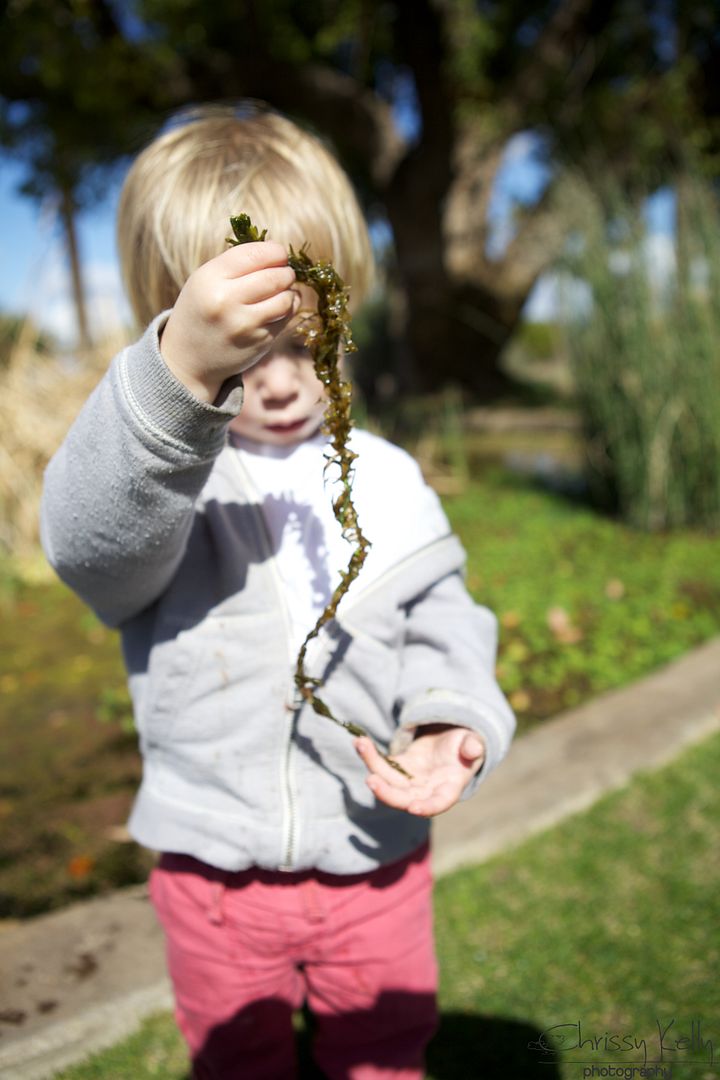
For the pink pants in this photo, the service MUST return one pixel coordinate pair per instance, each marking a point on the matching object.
(246, 949)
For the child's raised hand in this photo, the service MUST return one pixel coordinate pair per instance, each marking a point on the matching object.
(228, 315)
(440, 761)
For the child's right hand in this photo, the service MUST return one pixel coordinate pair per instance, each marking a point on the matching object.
(228, 315)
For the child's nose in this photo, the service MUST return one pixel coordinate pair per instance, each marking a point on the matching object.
(279, 379)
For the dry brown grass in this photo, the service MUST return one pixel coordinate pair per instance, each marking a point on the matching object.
(40, 395)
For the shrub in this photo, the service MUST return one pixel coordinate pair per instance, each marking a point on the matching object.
(540, 340)
(18, 332)
(646, 360)
(40, 395)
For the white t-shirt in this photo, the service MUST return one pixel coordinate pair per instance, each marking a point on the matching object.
(397, 511)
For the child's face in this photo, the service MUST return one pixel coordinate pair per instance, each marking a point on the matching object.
(284, 400)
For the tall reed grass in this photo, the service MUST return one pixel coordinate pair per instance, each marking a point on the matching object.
(40, 395)
(646, 359)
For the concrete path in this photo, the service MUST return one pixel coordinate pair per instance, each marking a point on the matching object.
(82, 979)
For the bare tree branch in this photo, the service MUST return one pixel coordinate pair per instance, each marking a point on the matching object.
(536, 243)
(357, 119)
(562, 50)
(466, 212)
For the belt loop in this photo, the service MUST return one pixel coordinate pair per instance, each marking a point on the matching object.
(215, 911)
(313, 901)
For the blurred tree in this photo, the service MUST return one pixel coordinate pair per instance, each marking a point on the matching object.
(74, 90)
(420, 98)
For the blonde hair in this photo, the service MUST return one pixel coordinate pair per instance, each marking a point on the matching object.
(215, 162)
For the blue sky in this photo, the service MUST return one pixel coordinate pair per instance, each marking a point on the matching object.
(33, 274)
(34, 279)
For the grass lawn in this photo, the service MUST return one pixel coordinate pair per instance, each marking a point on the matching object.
(605, 925)
(584, 604)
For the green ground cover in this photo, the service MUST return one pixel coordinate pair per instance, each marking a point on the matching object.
(584, 604)
(603, 928)
(69, 764)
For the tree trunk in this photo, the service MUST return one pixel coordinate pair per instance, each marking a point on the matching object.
(458, 336)
(461, 307)
(67, 215)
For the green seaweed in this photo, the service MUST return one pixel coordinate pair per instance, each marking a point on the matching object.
(326, 337)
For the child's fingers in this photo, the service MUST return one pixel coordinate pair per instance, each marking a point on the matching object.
(247, 258)
(387, 793)
(276, 308)
(263, 284)
(440, 800)
(377, 764)
(472, 750)
(416, 799)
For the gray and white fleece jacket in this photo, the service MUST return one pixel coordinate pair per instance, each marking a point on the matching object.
(150, 516)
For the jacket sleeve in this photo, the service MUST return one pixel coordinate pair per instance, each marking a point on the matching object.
(448, 671)
(120, 493)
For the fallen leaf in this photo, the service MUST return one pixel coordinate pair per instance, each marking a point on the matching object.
(517, 651)
(83, 965)
(13, 1016)
(510, 619)
(118, 833)
(615, 589)
(562, 627)
(520, 700)
(79, 867)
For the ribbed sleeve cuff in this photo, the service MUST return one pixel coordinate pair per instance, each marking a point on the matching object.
(165, 408)
(450, 707)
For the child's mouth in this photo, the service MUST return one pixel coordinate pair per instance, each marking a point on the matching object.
(286, 429)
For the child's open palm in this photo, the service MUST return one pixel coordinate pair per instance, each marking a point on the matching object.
(440, 762)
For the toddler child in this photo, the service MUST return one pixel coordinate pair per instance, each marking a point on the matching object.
(189, 506)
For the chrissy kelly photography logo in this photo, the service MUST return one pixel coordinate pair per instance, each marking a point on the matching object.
(624, 1053)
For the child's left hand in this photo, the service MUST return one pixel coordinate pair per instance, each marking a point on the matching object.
(440, 760)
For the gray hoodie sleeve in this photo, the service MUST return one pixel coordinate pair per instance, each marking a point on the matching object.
(120, 493)
(448, 672)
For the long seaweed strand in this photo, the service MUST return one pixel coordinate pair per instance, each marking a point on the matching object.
(325, 336)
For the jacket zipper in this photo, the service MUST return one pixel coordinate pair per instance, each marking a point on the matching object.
(287, 787)
(288, 791)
